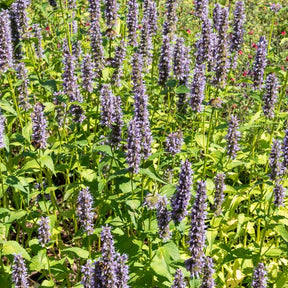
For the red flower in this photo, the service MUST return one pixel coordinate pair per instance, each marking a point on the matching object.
(254, 46)
(232, 79)
(282, 68)
(47, 28)
(245, 73)
(188, 31)
(240, 52)
(87, 24)
(250, 32)
(283, 33)
(287, 58)
(249, 56)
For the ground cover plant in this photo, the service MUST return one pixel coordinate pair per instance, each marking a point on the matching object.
(143, 143)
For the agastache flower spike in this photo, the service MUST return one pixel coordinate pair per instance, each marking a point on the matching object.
(122, 271)
(285, 152)
(198, 88)
(23, 87)
(171, 17)
(133, 156)
(164, 61)
(238, 30)
(117, 63)
(274, 160)
(270, 96)
(174, 142)
(219, 195)
(232, 137)
(44, 231)
(2, 130)
(152, 16)
(216, 16)
(97, 277)
(259, 277)
(279, 194)
(19, 272)
(260, 62)
(180, 200)
(85, 210)
(132, 22)
(39, 127)
(88, 275)
(110, 13)
(201, 8)
(197, 232)
(136, 76)
(6, 48)
(87, 73)
(38, 46)
(222, 49)
(179, 60)
(163, 218)
(179, 281)
(207, 280)
(107, 106)
(145, 42)
(109, 265)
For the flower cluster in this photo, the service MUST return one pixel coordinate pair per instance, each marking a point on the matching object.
(259, 277)
(219, 195)
(2, 130)
(174, 142)
(164, 61)
(207, 279)
(279, 194)
(179, 281)
(19, 272)
(85, 210)
(38, 46)
(117, 63)
(270, 96)
(232, 137)
(132, 21)
(44, 231)
(23, 87)
(274, 160)
(180, 200)
(87, 73)
(163, 218)
(197, 232)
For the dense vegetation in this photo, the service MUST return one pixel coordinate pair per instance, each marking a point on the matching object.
(143, 144)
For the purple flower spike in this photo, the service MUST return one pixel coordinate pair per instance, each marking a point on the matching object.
(198, 88)
(117, 64)
(279, 194)
(19, 272)
(88, 275)
(6, 48)
(38, 46)
(146, 42)
(87, 73)
(216, 16)
(39, 127)
(174, 142)
(122, 271)
(201, 8)
(180, 200)
(207, 280)
(179, 280)
(2, 131)
(132, 22)
(85, 210)
(233, 137)
(164, 61)
(163, 218)
(44, 231)
(219, 195)
(133, 156)
(274, 160)
(260, 62)
(270, 96)
(111, 13)
(23, 87)
(285, 152)
(259, 277)
(197, 232)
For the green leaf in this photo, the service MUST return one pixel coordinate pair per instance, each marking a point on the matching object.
(201, 140)
(27, 131)
(151, 173)
(48, 162)
(6, 106)
(47, 284)
(81, 253)
(182, 89)
(13, 247)
(104, 149)
(281, 230)
(39, 261)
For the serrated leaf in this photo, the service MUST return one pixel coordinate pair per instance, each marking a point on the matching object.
(13, 247)
(201, 140)
(151, 173)
(281, 230)
(48, 162)
(81, 253)
(182, 89)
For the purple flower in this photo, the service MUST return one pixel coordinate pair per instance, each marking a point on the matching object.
(88, 275)
(71, 4)
(238, 30)
(136, 76)
(95, 10)
(207, 280)
(97, 277)
(180, 200)
(197, 232)
(23, 87)
(219, 195)
(110, 13)
(201, 8)
(19, 272)
(222, 49)
(260, 62)
(285, 151)
(164, 61)
(87, 73)
(259, 277)
(108, 106)
(2, 131)
(6, 48)
(53, 3)
(274, 160)
(132, 22)
(179, 280)
(270, 95)
(122, 271)
(198, 88)
(38, 46)
(216, 16)
(171, 17)
(133, 156)
(108, 261)
(85, 210)
(145, 42)
(232, 137)
(279, 194)
(275, 7)
(174, 142)
(150, 201)
(163, 218)
(152, 16)
(180, 61)
(117, 63)
(44, 231)
(39, 127)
